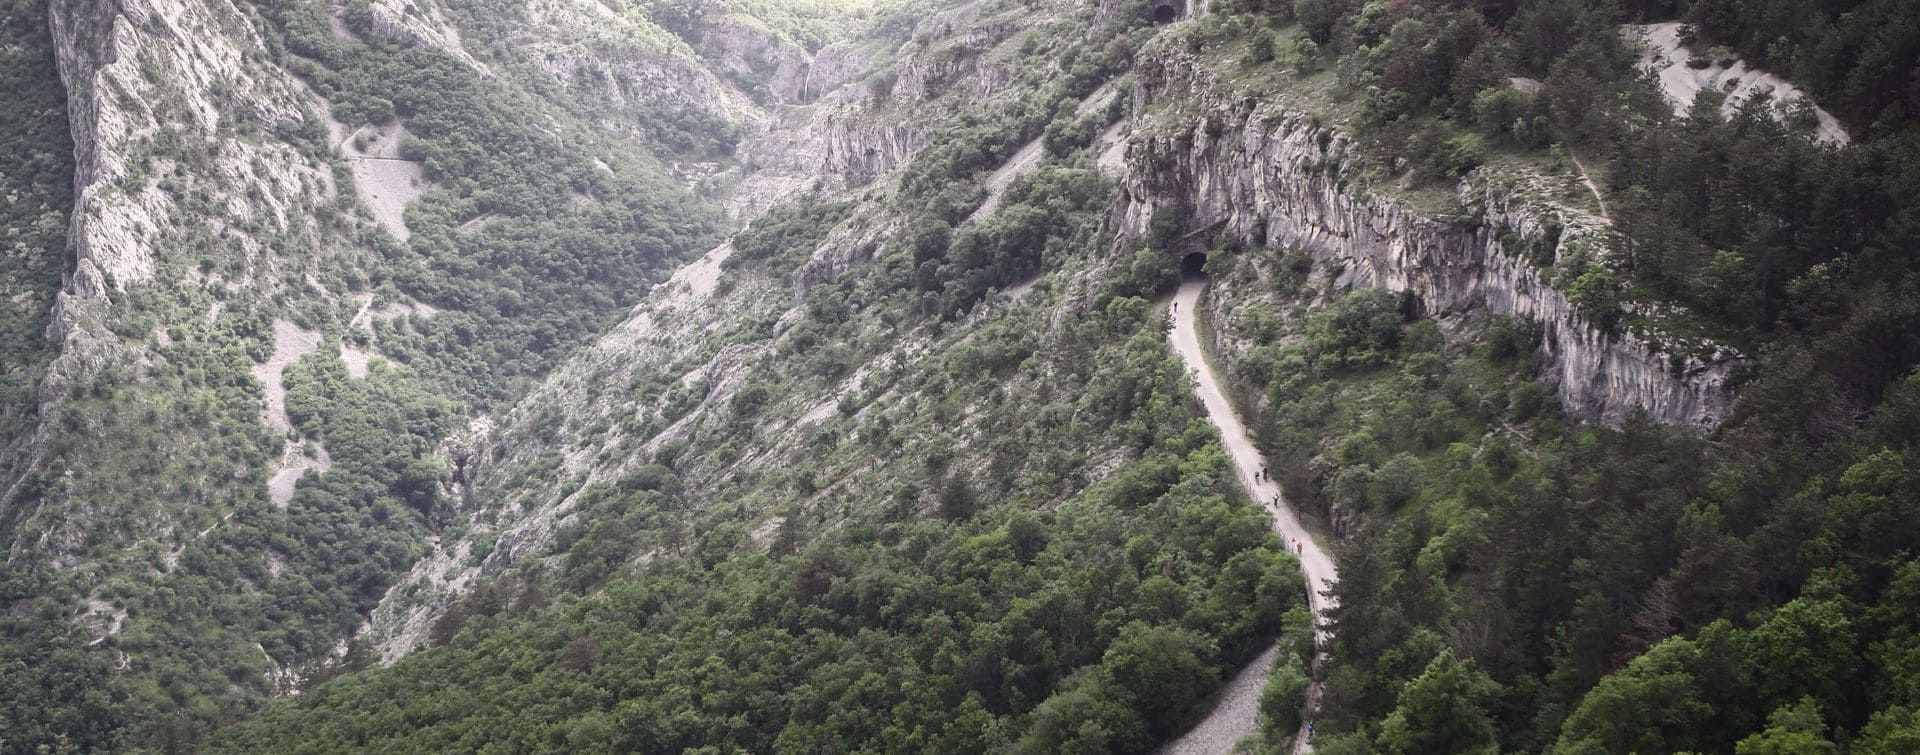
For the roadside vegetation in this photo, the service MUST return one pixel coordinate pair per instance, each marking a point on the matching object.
(1544, 586)
(967, 557)
(1014, 531)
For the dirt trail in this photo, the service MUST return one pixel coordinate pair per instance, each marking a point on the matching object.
(1236, 714)
(367, 315)
(1591, 186)
(1029, 156)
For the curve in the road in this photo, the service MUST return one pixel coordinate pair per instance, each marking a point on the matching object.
(1236, 714)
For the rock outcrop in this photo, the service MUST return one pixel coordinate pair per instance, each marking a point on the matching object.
(833, 67)
(830, 144)
(823, 146)
(421, 22)
(136, 78)
(1275, 177)
(623, 66)
(156, 112)
(740, 49)
(160, 94)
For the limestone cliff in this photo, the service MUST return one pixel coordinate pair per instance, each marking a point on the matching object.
(226, 223)
(621, 65)
(214, 186)
(172, 106)
(1273, 176)
(138, 74)
(421, 22)
(742, 50)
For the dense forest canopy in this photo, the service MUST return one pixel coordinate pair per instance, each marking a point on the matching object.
(957, 495)
(1637, 589)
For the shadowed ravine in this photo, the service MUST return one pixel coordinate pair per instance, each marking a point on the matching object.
(1236, 713)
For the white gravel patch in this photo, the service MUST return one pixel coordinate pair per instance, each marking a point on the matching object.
(290, 342)
(292, 465)
(357, 361)
(103, 619)
(1239, 703)
(385, 180)
(1029, 156)
(1019, 290)
(696, 280)
(1022, 163)
(1667, 58)
(1111, 149)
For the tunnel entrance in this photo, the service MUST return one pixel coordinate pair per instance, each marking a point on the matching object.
(1165, 13)
(1194, 265)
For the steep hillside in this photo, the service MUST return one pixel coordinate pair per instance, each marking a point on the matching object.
(309, 244)
(834, 414)
(750, 316)
(1511, 576)
(38, 188)
(540, 374)
(1421, 338)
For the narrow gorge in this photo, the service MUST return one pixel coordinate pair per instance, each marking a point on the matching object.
(925, 376)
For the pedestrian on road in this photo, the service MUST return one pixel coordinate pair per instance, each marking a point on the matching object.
(1176, 306)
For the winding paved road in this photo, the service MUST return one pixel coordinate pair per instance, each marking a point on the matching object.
(1236, 714)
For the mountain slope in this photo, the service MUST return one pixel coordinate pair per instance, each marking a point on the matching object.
(370, 356)
(209, 500)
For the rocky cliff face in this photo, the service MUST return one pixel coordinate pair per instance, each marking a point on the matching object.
(205, 192)
(629, 69)
(136, 75)
(833, 67)
(211, 207)
(831, 144)
(1274, 177)
(186, 141)
(421, 22)
(221, 230)
(741, 50)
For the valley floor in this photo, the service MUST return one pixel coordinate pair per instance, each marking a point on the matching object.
(1236, 713)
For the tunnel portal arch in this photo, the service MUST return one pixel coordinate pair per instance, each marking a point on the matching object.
(1169, 11)
(1194, 265)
